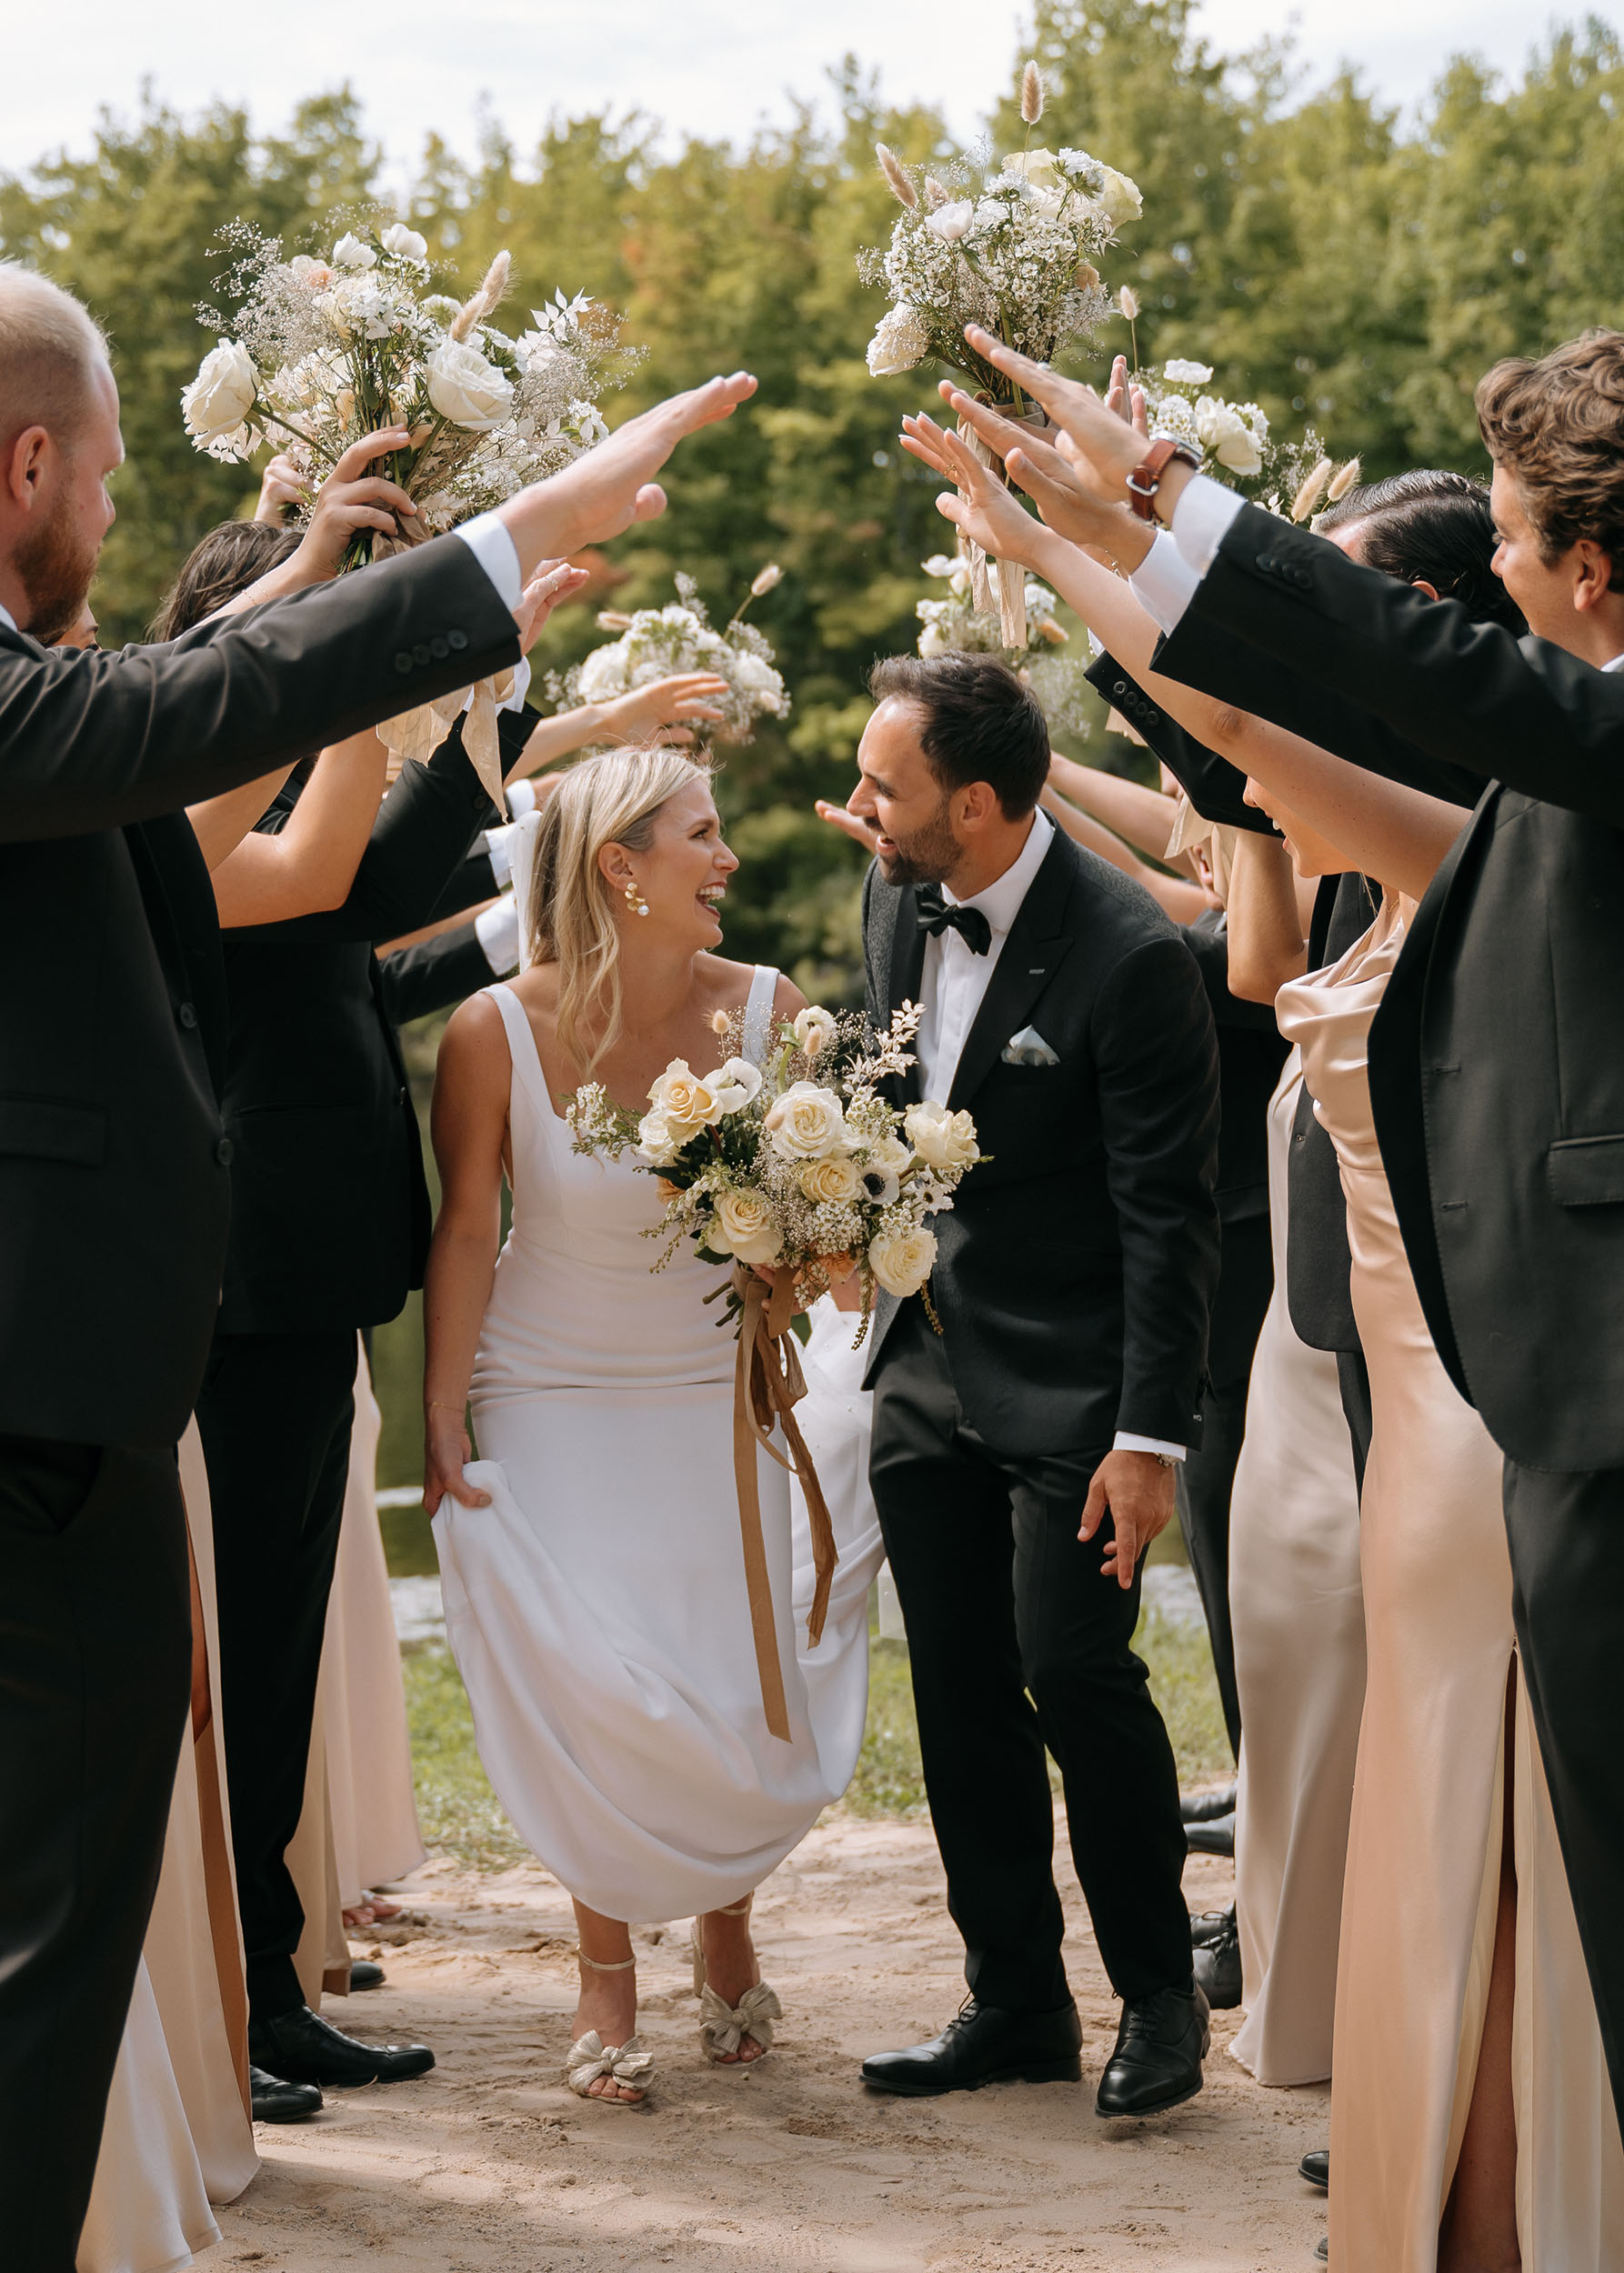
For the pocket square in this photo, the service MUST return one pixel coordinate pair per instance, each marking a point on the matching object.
(1028, 1049)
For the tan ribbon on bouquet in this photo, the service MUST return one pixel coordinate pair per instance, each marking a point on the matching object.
(768, 1384)
(1012, 579)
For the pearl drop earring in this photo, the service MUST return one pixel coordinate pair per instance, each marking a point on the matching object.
(635, 900)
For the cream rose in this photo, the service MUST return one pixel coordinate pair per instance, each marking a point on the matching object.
(467, 389)
(814, 1028)
(746, 1227)
(312, 274)
(735, 1085)
(222, 395)
(404, 243)
(657, 1141)
(942, 1139)
(807, 1123)
(899, 342)
(686, 1102)
(1119, 196)
(902, 1259)
(829, 1181)
(1229, 436)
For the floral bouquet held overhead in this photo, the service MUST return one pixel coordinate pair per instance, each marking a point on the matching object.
(319, 352)
(805, 1169)
(1284, 478)
(658, 643)
(1011, 245)
(952, 624)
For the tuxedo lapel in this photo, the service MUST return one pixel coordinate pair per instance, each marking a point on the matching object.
(906, 979)
(1036, 947)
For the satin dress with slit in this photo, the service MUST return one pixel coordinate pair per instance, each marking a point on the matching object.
(1424, 1849)
(599, 1608)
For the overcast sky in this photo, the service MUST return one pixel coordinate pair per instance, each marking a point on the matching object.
(707, 66)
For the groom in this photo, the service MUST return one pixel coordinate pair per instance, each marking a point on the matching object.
(1025, 1457)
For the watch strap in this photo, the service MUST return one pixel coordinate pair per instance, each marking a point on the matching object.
(1145, 479)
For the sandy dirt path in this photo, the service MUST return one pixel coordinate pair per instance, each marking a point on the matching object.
(489, 2163)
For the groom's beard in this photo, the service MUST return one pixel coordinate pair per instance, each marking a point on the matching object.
(928, 856)
(56, 567)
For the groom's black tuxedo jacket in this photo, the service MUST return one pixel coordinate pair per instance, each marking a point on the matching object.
(1076, 1270)
(1497, 1058)
(330, 1211)
(113, 1181)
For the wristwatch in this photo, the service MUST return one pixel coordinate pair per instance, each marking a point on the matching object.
(1145, 479)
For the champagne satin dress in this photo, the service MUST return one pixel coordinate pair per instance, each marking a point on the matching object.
(1424, 1848)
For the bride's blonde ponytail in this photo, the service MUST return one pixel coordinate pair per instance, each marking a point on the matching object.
(610, 799)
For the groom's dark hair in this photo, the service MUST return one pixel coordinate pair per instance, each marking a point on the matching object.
(980, 722)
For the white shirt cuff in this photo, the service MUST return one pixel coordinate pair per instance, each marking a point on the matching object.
(497, 929)
(486, 538)
(1126, 1442)
(1201, 520)
(1164, 583)
(522, 797)
(498, 848)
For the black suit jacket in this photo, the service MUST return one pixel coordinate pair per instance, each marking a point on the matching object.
(1074, 1273)
(113, 1184)
(1497, 1058)
(330, 1209)
(433, 975)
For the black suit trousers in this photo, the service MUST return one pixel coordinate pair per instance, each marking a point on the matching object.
(276, 1413)
(96, 1655)
(1019, 1644)
(1567, 1540)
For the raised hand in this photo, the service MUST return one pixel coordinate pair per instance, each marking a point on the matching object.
(658, 709)
(351, 500)
(281, 484)
(980, 505)
(1106, 446)
(609, 487)
(554, 582)
(860, 830)
(1071, 506)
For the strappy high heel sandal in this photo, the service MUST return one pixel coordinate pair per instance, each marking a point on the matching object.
(723, 2026)
(627, 2064)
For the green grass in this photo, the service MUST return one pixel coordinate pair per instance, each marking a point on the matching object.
(462, 1816)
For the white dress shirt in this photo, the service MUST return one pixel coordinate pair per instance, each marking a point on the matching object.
(953, 986)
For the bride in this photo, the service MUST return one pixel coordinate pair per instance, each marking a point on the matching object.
(595, 1584)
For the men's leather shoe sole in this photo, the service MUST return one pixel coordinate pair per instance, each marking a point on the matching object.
(307, 2049)
(983, 2045)
(1201, 1807)
(1217, 1966)
(1216, 1837)
(1316, 2167)
(1030, 2072)
(277, 2101)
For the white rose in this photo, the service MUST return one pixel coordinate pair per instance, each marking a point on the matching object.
(658, 1141)
(941, 565)
(899, 342)
(942, 1139)
(404, 243)
(351, 253)
(835, 1179)
(951, 221)
(686, 1102)
(467, 389)
(1227, 435)
(603, 675)
(1119, 197)
(735, 1085)
(902, 1258)
(1178, 372)
(746, 1227)
(813, 1026)
(807, 1123)
(1036, 167)
(222, 395)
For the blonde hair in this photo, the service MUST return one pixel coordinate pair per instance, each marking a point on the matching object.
(614, 799)
(49, 348)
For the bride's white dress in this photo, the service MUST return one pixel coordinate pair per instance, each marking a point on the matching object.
(598, 1607)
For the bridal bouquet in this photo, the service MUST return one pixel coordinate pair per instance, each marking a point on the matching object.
(1284, 478)
(954, 624)
(804, 1166)
(658, 643)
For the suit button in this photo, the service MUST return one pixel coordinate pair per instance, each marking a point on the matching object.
(1120, 687)
(400, 1097)
(1266, 561)
(439, 648)
(224, 1150)
(403, 663)
(420, 654)
(1153, 718)
(457, 641)
(186, 1015)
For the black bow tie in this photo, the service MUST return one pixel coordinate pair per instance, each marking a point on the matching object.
(935, 915)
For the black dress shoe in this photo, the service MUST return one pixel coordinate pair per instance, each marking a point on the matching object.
(363, 1974)
(278, 2102)
(1160, 2045)
(1216, 1964)
(983, 2044)
(1316, 2167)
(1215, 1836)
(1324, 2250)
(303, 2047)
(1200, 1806)
(1211, 1926)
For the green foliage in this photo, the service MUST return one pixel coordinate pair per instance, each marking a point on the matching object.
(1333, 265)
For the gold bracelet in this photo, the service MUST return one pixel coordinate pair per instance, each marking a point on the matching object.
(444, 1408)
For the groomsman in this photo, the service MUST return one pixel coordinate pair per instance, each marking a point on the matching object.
(1024, 1457)
(113, 1184)
(1496, 1060)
